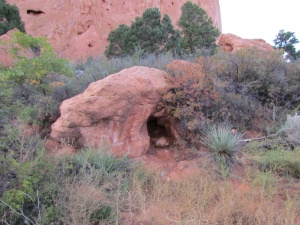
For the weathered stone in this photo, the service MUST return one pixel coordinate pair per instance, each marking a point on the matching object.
(79, 29)
(160, 142)
(115, 109)
(232, 43)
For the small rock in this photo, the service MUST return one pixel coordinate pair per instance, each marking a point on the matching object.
(161, 142)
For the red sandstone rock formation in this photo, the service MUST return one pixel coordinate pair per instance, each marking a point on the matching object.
(118, 109)
(5, 58)
(79, 29)
(232, 43)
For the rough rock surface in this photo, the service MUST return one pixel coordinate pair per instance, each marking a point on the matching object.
(79, 29)
(116, 109)
(232, 43)
(5, 58)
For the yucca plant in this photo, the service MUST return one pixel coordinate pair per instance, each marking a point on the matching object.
(90, 160)
(223, 144)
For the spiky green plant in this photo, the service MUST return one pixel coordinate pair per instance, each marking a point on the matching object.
(90, 160)
(223, 144)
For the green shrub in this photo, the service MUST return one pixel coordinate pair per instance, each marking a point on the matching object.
(93, 159)
(254, 84)
(223, 143)
(29, 194)
(192, 99)
(103, 213)
(264, 76)
(147, 34)
(280, 161)
(29, 83)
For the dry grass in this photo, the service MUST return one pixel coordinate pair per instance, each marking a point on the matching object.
(209, 200)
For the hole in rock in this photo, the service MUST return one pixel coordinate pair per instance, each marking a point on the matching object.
(35, 12)
(90, 45)
(155, 130)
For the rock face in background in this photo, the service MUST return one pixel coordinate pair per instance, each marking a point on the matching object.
(79, 29)
(232, 43)
(120, 109)
(5, 58)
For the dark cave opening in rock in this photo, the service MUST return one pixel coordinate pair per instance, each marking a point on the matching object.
(155, 130)
(35, 12)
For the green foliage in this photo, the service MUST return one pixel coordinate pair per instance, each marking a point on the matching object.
(275, 156)
(40, 62)
(287, 41)
(147, 34)
(101, 214)
(197, 29)
(223, 143)
(28, 85)
(91, 159)
(280, 161)
(107, 178)
(9, 18)
(254, 83)
(28, 180)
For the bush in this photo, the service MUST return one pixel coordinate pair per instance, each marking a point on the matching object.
(28, 180)
(264, 76)
(254, 84)
(107, 180)
(86, 199)
(92, 159)
(223, 143)
(192, 98)
(29, 83)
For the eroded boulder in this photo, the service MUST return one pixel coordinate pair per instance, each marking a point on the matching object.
(232, 43)
(116, 109)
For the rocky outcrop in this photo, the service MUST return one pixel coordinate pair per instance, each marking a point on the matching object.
(5, 58)
(120, 109)
(232, 43)
(79, 29)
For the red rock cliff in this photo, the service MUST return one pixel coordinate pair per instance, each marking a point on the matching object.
(79, 28)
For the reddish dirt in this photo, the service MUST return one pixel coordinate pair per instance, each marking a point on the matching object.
(174, 163)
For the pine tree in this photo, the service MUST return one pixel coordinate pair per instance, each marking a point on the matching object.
(197, 28)
(9, 18)
(147, 34)
(286, 41)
